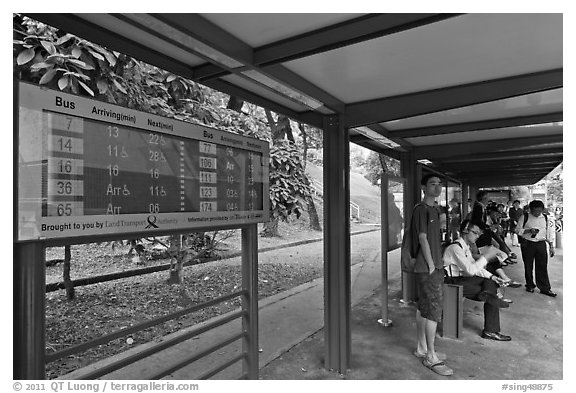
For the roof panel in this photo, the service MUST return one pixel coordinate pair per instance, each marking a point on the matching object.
(527, 105)
(487, 135)
(261, 29)
(456, 51)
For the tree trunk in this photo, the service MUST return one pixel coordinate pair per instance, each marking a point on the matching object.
(66, 273)
(235, 103)
(270, 228)
(304, 144)
(176, 259)
(312, 212)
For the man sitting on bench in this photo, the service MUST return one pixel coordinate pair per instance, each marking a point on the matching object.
(478, 283)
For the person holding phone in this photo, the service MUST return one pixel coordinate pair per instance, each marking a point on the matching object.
(534, 235)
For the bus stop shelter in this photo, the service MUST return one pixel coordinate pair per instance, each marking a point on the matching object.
(478, 97)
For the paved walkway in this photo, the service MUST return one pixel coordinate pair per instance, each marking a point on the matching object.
(534, 321)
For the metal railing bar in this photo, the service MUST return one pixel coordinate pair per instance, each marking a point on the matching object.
(161, 346)
(50, 357)
(198, 356)
(223, 366)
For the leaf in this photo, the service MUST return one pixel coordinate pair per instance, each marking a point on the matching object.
(119, 86)
(38, 66)
(77, 75)
(96, 55)
(63, 39)
(50, 48)
(80, 64)
(76, 52)
(89, 90)
(102, 86)
(110, 57)
(63, 82)
(48, 76)
(25, 56)
(170, 78)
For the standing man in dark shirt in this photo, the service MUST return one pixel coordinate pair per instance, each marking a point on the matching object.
(429, 274)
(515, 212)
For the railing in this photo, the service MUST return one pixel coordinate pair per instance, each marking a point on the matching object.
(317, 189)
(110, 367)
(354, 208)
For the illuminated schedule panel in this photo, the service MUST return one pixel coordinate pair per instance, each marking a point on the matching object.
(90, 168)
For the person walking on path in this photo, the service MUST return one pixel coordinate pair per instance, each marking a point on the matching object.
(534, 234)
(429, 275)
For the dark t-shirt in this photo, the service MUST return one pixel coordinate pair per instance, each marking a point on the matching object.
(455, 220)
(515, 214)
(426, 220)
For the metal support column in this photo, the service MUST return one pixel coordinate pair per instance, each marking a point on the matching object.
(337, 282)
(384, 321)
(29, 314)
(250, 365)
(465, 196)
(412, 173)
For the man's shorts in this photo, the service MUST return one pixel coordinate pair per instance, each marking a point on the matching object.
(430, 294)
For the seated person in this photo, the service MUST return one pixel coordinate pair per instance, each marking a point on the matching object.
(493, 234)
(495, 259)
(479, 284)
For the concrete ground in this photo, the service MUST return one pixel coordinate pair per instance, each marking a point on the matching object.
(385, 353)
(291, 335)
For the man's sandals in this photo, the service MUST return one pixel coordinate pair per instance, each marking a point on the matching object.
(438, 367)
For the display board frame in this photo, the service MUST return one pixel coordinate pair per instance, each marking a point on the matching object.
(32, 145)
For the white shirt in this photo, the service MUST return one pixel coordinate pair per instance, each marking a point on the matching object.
(534, 222)
(458, 261)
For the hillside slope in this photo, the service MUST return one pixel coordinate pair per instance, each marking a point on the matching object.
(362, 192)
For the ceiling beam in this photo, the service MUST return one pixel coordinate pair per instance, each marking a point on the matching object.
(503, 183)
(447, 150)
(495, 175)
(209, 34)
(421, 103)
(508, 155)
(455, 167)
(488, 182)
(290, 78)
(370, 144)
(506, 170)
(311, 118)
(342, 34)
(478, 125)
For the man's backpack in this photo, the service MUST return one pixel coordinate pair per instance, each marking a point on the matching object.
(410, 246)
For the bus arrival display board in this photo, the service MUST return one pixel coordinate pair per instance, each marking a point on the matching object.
(90, 168)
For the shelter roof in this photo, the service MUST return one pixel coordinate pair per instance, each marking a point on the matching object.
(479, 96)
